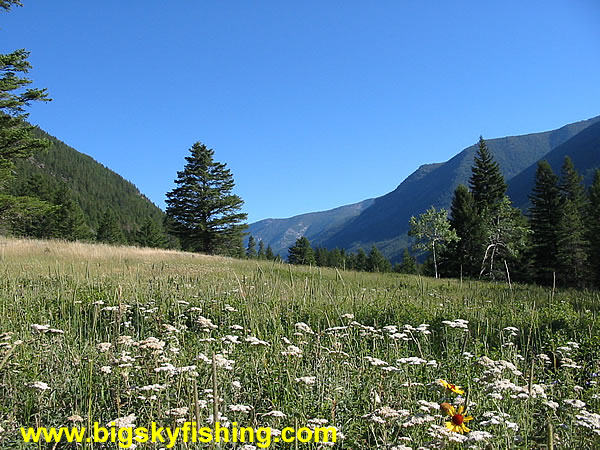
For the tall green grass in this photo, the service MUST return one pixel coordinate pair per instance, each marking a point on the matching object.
(70, 286)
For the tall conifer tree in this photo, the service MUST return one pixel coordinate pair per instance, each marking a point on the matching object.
(486, 182)
(261, 250)
(301, 252)
(109, 230)
(571, 234)
(546, 211)
(593, 226)
(203, 211)
(464, 218)
(251, 248)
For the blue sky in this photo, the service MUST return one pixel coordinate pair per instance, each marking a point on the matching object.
(311, 104)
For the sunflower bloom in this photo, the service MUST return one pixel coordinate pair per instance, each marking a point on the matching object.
(457, 419)
(451, 387)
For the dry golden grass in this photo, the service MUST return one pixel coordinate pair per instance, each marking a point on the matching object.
(29, 248)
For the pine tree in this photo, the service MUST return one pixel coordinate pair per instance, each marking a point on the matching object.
(68, 221)
(109, 230)
(269, 253)
(35, 222)
(261, 250)
(204, 213)
(486, 182)
(408, 264)
(16, 138)
(545, 212)
(360, 261)
(376, 262)
(7, 4)
(572, 258)
(321, 257)
(593, 226)
(301, 252)
(151, 235)
(462, 256)
(251, 248)
(336, 258)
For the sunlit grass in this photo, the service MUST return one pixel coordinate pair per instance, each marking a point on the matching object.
(367, 349)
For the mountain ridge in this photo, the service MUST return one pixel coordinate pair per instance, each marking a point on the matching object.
(384, 222)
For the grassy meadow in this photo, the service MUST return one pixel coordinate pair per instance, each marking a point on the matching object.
(96, 333)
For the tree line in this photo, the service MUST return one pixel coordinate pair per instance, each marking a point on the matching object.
(483, 235)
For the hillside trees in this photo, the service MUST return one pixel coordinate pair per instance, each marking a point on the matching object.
(202, 210)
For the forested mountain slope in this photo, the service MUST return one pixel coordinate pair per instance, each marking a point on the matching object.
(95, 187)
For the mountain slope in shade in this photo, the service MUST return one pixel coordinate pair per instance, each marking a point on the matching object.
(94, 186)
(281, 234)
(583, 149)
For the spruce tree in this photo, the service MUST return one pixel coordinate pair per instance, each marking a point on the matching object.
(360, 261)
(269, 253)
(68, 220)
(593, 226)
(572, 255)
(408, 264)
(251, 248)
(16, 138)
(261, 250)
(151, 235)
(321, 257)
(462, 256)
(486, 182)
(203, 212)
(109, 230)
(301, 252)
(376, 262)
(336, 258)
(545, 220)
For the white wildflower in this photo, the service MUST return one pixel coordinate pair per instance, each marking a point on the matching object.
(123, 422)
(307, 380)
(276, 413)
(104, 347)
(292, 350)
(240, 408)
(301, 326)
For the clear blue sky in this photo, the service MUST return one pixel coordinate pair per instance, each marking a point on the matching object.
(311, 104)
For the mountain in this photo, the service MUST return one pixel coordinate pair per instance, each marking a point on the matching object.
(584, 151)
(385, 222)
(95, 187)
(281, 234)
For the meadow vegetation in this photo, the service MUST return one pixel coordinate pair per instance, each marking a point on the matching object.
(98, 333)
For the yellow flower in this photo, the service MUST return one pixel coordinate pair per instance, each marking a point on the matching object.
(451, 387)
(457, 420)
